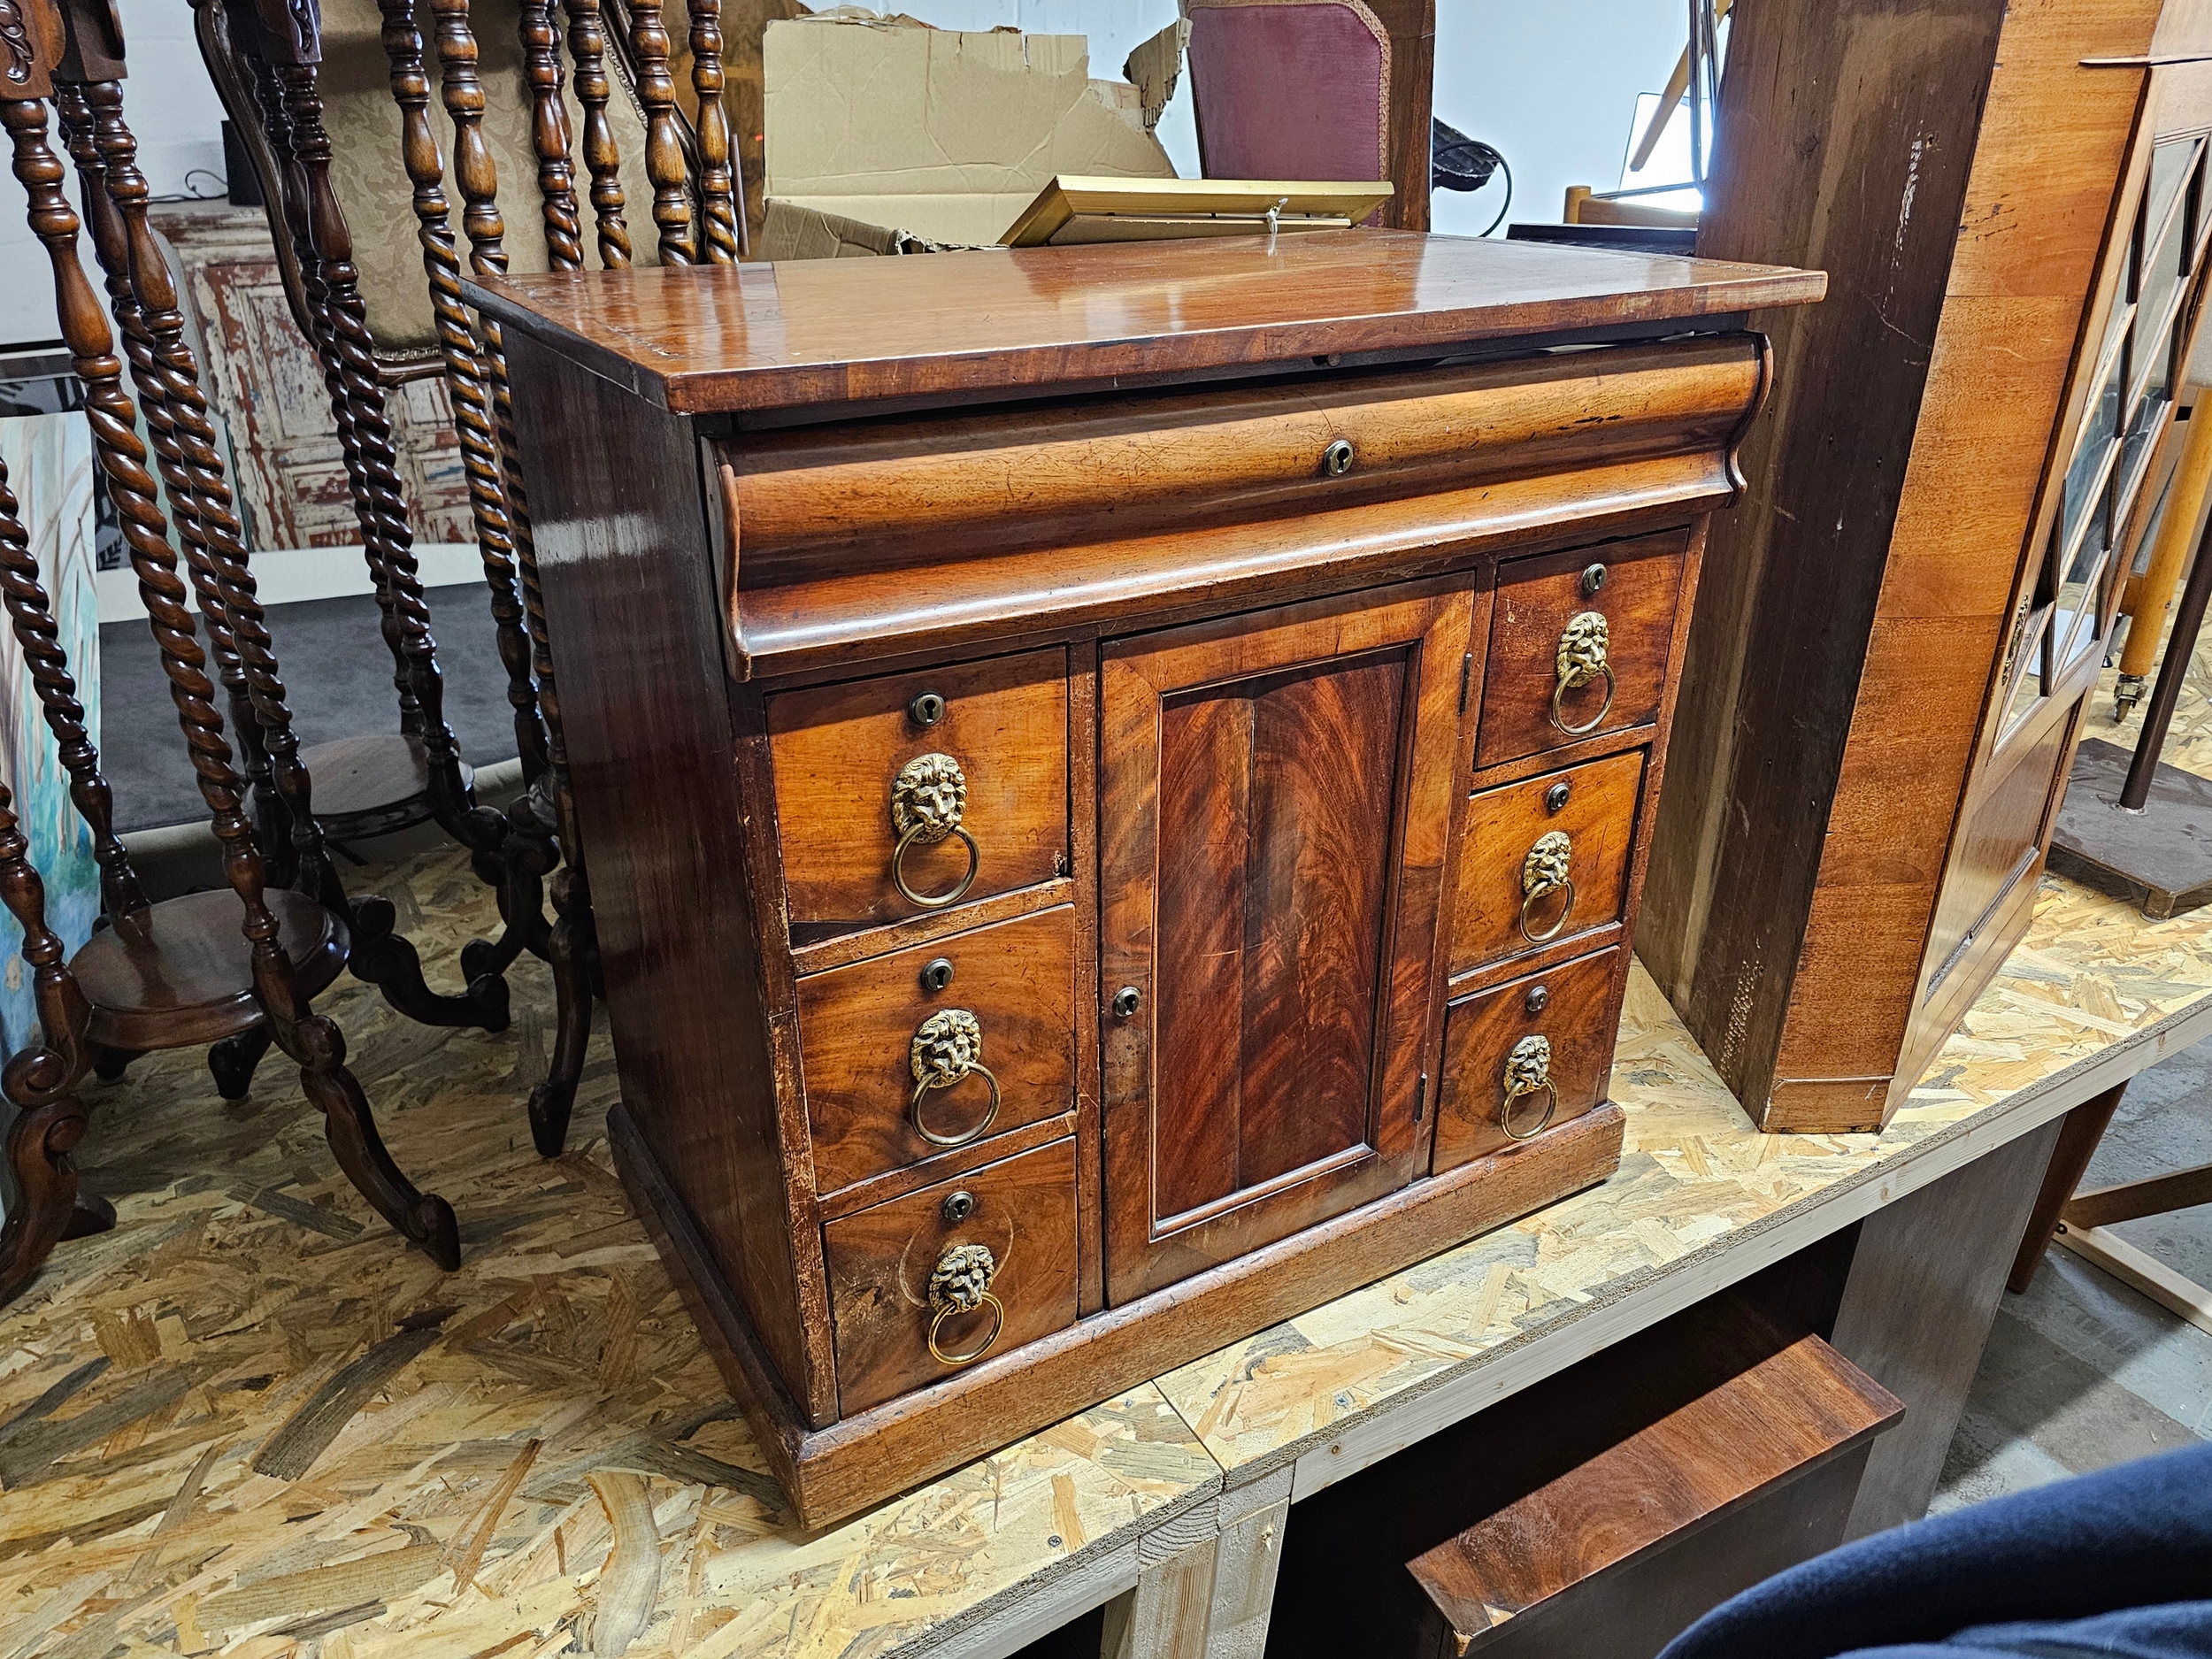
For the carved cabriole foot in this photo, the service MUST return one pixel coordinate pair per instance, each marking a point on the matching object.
(233, 1061)
(39, 1147)
(573, 948)
(388, 961)
(319, 1048)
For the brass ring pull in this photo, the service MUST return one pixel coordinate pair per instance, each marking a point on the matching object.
(1528, 1070)
(928, 799)
(1544, 872)
(961, 1283)
(948, 1047)
(1580, 659)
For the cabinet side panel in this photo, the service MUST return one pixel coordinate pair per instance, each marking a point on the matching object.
(615, 500)
(2053, 149)
(1853, 128)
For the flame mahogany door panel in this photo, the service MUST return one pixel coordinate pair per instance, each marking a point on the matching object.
(1278, 802)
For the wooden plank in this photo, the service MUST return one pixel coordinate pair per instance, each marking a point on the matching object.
(2129, 1200)
(1918, 1308)
(2139, 1270)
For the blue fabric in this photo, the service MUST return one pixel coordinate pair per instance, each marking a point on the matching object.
(2134, 1537)
(2182, 1629)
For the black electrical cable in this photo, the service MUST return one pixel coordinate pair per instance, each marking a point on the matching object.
(1460, 163)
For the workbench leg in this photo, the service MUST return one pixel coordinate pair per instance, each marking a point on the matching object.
(1916, 1309)
(1245, 1559)
(1210, 1599)
(2077, 1144)
(1165, 1616)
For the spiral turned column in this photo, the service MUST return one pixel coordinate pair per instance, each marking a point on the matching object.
(333, 246)
(465, 374)
(588, 46)
(548, 134)
(122, 460)
(663, 140)
(718, 179)
(38, 636)
(105, 156)
(268, 93)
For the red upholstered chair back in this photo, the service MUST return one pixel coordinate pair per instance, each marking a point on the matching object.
(1290, 88)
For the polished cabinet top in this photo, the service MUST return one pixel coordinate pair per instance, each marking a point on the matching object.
(709, 339)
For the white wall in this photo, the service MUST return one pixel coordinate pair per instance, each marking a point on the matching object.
(1553, 85)
(172, 108)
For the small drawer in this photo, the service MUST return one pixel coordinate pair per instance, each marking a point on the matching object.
(1579, 645)
(1489, 1045)
(953, 781)
(997, 1249)
(1545, 859)
(922, 1042)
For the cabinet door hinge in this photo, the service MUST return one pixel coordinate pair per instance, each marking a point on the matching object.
(1421, 1099)
(1466, 679)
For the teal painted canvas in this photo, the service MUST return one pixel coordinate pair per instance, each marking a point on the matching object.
(49, 461)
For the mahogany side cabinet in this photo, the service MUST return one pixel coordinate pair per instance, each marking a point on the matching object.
(1115, 779)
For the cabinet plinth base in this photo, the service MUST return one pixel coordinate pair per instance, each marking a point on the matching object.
(833, 1473)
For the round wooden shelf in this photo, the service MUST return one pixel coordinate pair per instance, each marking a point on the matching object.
(372, 786)
(180, 972)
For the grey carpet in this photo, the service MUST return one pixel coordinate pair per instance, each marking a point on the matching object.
(339, 677)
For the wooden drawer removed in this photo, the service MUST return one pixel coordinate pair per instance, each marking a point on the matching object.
(1719, 1480)
(974, 753)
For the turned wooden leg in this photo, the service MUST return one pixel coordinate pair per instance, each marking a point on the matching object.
(553, 1100)
(2078, 1140)
(232, 1060)
(388, 961)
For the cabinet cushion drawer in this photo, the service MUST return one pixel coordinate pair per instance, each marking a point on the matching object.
(894, 1052)
(891, 492)
(1579, 645)
(976, 756)
(997, 1243)
(1545, 859)
(1571, 1008)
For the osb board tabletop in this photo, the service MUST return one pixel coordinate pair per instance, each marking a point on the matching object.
(248, 1421)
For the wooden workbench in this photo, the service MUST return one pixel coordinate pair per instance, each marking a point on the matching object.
(248, 1419)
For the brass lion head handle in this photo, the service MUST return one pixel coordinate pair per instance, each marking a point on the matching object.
(927, 800)
(1528, 1071)
(1544, 872)
(947, 1049)
(959, 1284)
(1580, 660)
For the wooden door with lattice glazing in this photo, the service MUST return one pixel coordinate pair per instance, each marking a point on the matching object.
(2127, 371)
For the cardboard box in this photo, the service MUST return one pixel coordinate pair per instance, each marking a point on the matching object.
(884, 135)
